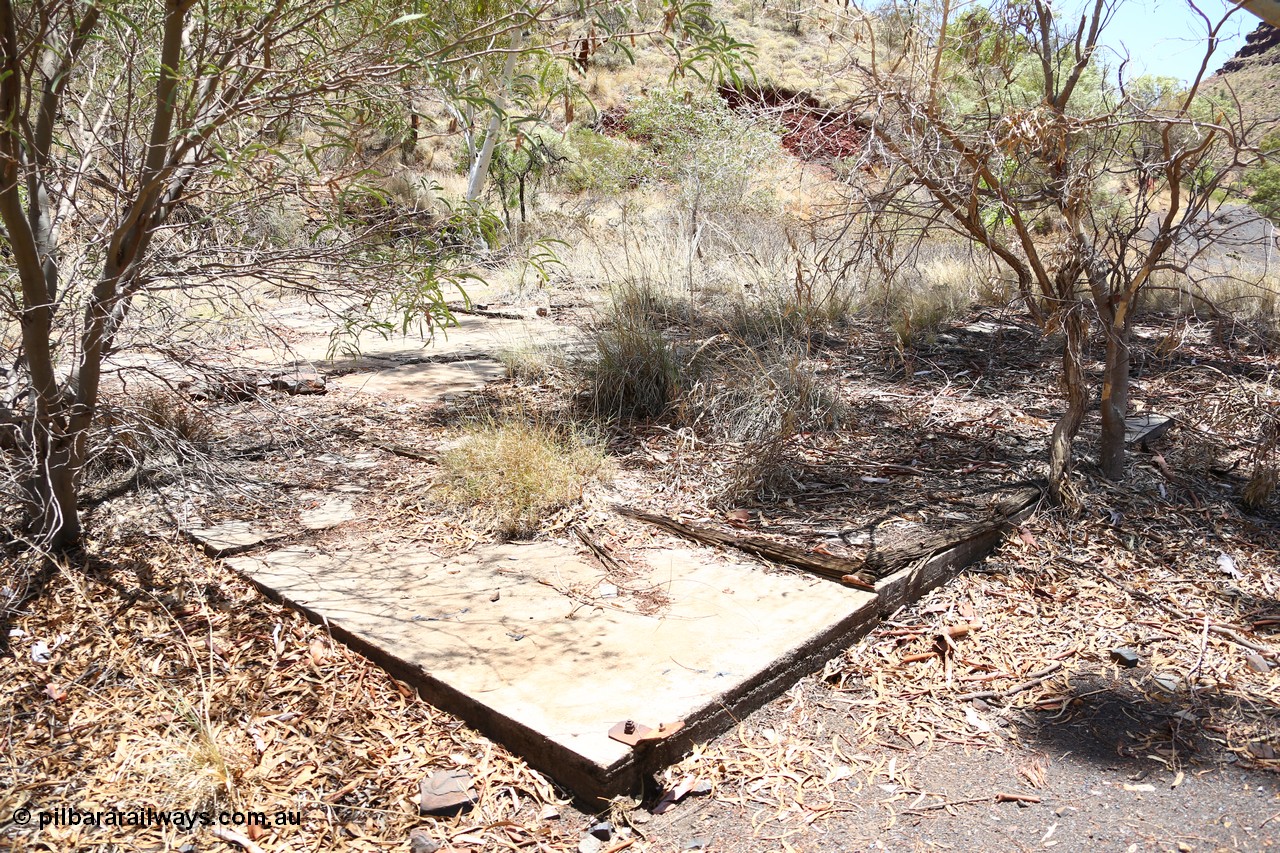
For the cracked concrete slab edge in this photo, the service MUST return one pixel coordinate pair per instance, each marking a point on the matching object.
(727, 710)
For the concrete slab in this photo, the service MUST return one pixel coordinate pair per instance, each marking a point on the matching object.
(228, 537)
(328, 512)
(1145, 427)
(428, 381)
(472, 337)
(516, 640)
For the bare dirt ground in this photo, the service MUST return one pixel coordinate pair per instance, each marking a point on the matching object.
(989, 716)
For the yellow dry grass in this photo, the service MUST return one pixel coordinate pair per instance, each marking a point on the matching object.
(513, 475)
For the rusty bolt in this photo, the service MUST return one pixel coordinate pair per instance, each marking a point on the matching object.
(629, 727)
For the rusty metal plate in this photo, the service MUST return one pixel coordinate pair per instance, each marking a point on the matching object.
(633, 734)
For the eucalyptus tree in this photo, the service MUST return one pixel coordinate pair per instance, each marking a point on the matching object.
(143, 141)
(1004, 125)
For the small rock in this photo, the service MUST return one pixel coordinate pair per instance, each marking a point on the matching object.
(1125, 657)
(700, 788)
(302, 382)
(420, 842)
(590, 844)
(1166, 682)
(608, 590)
(1257, 662)
(1262, 750)
(446, 792)
(602, 830)
(1227, 565)
(639, 816)
(40, 652)
(698, 844)
(549, 812)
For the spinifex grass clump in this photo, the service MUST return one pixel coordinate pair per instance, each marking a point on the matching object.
(515, 474)
(633, 372)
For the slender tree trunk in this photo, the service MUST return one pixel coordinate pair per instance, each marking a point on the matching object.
(1077, 394)
(1115, 402)
(480, 168)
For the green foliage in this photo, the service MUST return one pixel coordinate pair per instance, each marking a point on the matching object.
(1263, 180)
(599, 163)
(521, 164)
(698, 143)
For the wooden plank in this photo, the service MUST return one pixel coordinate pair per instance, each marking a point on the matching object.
(976, 537)
(909, 584)
(847, 571)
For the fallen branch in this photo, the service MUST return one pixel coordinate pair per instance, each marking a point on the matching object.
(935, 806)
(910, 548)
(401, 450)
(1220, 630)
(972, 801)
(863, 574)
(1035, 679)
(597, 549)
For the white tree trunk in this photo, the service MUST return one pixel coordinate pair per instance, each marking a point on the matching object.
(480, 166)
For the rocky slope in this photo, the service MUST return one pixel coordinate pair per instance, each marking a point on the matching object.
(1253, 75)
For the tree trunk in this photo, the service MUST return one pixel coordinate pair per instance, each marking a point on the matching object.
(480, 168)
(54, 514)
(1115, 403)
(1077, 394)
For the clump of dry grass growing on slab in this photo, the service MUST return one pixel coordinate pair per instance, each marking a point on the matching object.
(514, 474)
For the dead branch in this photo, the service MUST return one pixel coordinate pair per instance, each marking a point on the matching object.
(1036, 678)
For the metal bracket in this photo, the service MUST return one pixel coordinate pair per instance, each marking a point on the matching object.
(634, 734)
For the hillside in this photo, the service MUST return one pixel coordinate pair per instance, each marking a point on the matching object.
(1253, 74)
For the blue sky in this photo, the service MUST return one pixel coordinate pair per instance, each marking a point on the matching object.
(1166, 37)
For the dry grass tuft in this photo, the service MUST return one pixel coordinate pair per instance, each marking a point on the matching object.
(150, 423)
(515, 474)
(937, 289)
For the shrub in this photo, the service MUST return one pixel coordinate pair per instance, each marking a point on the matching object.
(599, 163)
(153, 423)
(515, 474)
(633, 373)
(1263, 180)
(713, 154)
